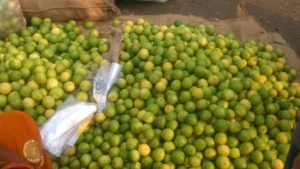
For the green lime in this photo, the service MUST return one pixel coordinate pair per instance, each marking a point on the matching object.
(36, 21)
(48, 102)
(177, 157)
(180, 141)
(134, 155)
(222, 162)
(257, 156)
(5, 88)
(83, 148)
(246, 148)
(158, 154)
(169, 146)
(117, 162)
(85, 160)
(104, 160)
(277, 164)
(221, 138)
(221, 125)
(234, 153)
(210, 153)
(240, 163)
(167, 134)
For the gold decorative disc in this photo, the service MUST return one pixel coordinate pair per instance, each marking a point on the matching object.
(32, 153)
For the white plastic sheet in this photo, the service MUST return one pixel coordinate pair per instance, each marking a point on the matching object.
(63, 129)
(106, 76)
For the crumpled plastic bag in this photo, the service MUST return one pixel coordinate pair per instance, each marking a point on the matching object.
(106, 76)
(62, 131)
(11, 17)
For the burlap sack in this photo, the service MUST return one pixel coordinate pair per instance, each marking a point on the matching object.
(63, 10)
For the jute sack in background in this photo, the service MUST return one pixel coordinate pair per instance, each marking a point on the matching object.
(63, 10)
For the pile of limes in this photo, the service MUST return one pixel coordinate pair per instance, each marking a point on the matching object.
(45, 63)
(187, 97)
(191, 98)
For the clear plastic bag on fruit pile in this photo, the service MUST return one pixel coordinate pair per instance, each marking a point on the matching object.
(108, 73)
(106, 76)
(61, 132)
(11, 17)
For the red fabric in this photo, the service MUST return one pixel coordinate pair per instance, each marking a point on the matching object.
(13, 165)
(16, 128)
(296, 164)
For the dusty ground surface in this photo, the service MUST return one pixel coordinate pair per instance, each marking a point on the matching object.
(282, 16)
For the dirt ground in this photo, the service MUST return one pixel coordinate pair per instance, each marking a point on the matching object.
(281, 16)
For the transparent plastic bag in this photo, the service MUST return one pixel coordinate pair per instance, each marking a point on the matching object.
(11, 17)
(108, 73)
(106, 76)
(62, 131)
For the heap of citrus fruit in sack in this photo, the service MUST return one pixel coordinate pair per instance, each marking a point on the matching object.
(191, 98)
(187, 97)
(42, 65)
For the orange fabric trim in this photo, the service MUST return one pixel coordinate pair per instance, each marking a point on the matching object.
(17, 166)
(2, 164)
(18, 128)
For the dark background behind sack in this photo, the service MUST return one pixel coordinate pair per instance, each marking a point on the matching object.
(63, 10)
